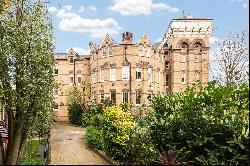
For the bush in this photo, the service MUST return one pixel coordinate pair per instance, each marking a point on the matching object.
(95, 137)
(117, 126)
(143, 151)
(75, 114)
(204, 125)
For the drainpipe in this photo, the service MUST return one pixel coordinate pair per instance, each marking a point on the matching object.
(130, 77)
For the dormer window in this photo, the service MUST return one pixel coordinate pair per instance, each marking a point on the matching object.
(141, 50)
(104, 52)
(110, 51)
(148, 52)
(71, 60)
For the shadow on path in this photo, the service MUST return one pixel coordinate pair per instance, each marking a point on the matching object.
(69, 146)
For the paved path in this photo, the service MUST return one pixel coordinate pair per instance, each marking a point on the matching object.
(69, 146)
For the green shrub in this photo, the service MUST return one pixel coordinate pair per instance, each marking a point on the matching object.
(95, 137)
(143, 151)
(207, 125)
(75, 114)
(117, 126)
(85, 119)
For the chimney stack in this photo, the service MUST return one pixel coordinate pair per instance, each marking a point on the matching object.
(127, 38)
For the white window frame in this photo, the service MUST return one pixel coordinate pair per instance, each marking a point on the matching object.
(148, 55)
(158, 76)
(183, 76)
(138, 70)
(79, 76)
(149, 72)
(141, 50)
(101, 97)
(70, 60)
(102, 75)
(112, 77)
(123, 96)
(125, 72)
(111, 48)
(104, 50)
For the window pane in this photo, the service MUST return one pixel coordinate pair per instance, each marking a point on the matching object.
(138, 97)
(56, 71)
(113, 97)
(102, 75)
(112, 74)
(110, 50)
(138, 73)
(125, 72)
(71, 79)
(71, 60)
(149, 74)
(104, 51)
(79, 79)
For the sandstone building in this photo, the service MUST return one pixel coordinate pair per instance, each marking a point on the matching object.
(135, 71)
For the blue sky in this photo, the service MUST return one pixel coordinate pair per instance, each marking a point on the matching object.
(77, 22)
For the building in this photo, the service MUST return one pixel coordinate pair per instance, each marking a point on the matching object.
(135, 71)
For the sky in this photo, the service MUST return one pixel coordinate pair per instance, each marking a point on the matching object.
(78, 22)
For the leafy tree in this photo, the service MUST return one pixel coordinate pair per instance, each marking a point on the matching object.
(232, 58)
(26, 72)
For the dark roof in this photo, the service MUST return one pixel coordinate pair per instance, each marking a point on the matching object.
(63, 56)
(189, 17)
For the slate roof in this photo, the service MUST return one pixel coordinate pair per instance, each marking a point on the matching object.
(63, 56)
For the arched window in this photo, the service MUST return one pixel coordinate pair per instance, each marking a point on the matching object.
(197, 48)
(184, 47)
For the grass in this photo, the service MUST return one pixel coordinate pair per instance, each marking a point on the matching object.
(31, 155)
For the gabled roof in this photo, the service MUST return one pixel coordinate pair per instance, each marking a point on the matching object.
(147, 38)
(107, 37)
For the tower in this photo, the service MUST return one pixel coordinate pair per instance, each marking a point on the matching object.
(186, 52)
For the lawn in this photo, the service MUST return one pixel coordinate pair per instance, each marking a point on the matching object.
(31, 155)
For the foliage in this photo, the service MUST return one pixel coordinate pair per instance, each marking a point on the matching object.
(74, 95)
(92, 116)
(75, 114)
(31, 155)
(95, 137)
(231, 62)
(26, 71)
(117, 126)
(204, 125)
(141, 146)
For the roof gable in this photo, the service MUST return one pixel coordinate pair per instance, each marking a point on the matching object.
(108, 41)
(144, 40)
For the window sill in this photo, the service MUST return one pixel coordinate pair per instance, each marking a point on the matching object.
(112, 80)
(138, 80)
(71, 84)
(183, 83)
(55, 95)
(183, 61)
(55, 74)
(55, 110)
(125, 79)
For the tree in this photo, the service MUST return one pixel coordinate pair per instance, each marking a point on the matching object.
(231, 58)
(26, 72)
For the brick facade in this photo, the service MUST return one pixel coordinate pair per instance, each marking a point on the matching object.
(165, 67)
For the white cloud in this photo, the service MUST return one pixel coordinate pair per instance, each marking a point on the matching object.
(72, 22)
(65, 12)
(81, 10)
(96, 27)
(139, 7)
(92, 8)
(80, 51)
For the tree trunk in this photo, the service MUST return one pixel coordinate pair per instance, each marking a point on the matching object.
(11, 158)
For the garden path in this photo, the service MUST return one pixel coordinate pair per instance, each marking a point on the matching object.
(69, 146)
